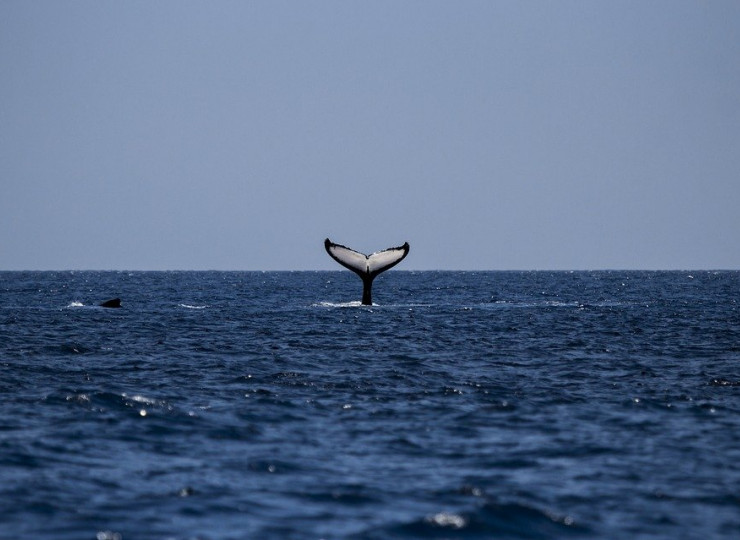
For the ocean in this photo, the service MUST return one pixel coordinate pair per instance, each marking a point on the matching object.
(271, 405)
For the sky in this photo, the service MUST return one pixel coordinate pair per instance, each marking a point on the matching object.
(492, 135)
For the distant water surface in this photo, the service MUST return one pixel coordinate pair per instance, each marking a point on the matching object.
(230, 405)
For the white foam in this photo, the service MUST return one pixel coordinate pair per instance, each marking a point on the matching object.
(188, 306)
(355, 303)
(140, 399)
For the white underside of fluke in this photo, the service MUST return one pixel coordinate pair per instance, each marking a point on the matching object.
(366, 264)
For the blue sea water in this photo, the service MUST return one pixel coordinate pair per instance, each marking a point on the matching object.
(231, 405)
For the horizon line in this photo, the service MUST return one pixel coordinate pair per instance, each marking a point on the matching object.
(625, 269)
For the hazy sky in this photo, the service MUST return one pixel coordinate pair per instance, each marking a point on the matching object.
(489, 135)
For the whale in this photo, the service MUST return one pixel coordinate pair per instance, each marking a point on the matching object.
(368, 267)
(112, 303)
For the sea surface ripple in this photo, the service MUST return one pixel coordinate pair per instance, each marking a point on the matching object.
(230, 405)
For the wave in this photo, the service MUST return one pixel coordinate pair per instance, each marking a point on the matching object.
(509, 520)
(189, 306)
(355, 303)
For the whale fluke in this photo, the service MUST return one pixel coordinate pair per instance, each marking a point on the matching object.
(366, 266)
(112, 303)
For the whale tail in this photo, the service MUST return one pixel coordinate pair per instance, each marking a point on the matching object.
(366, 266)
